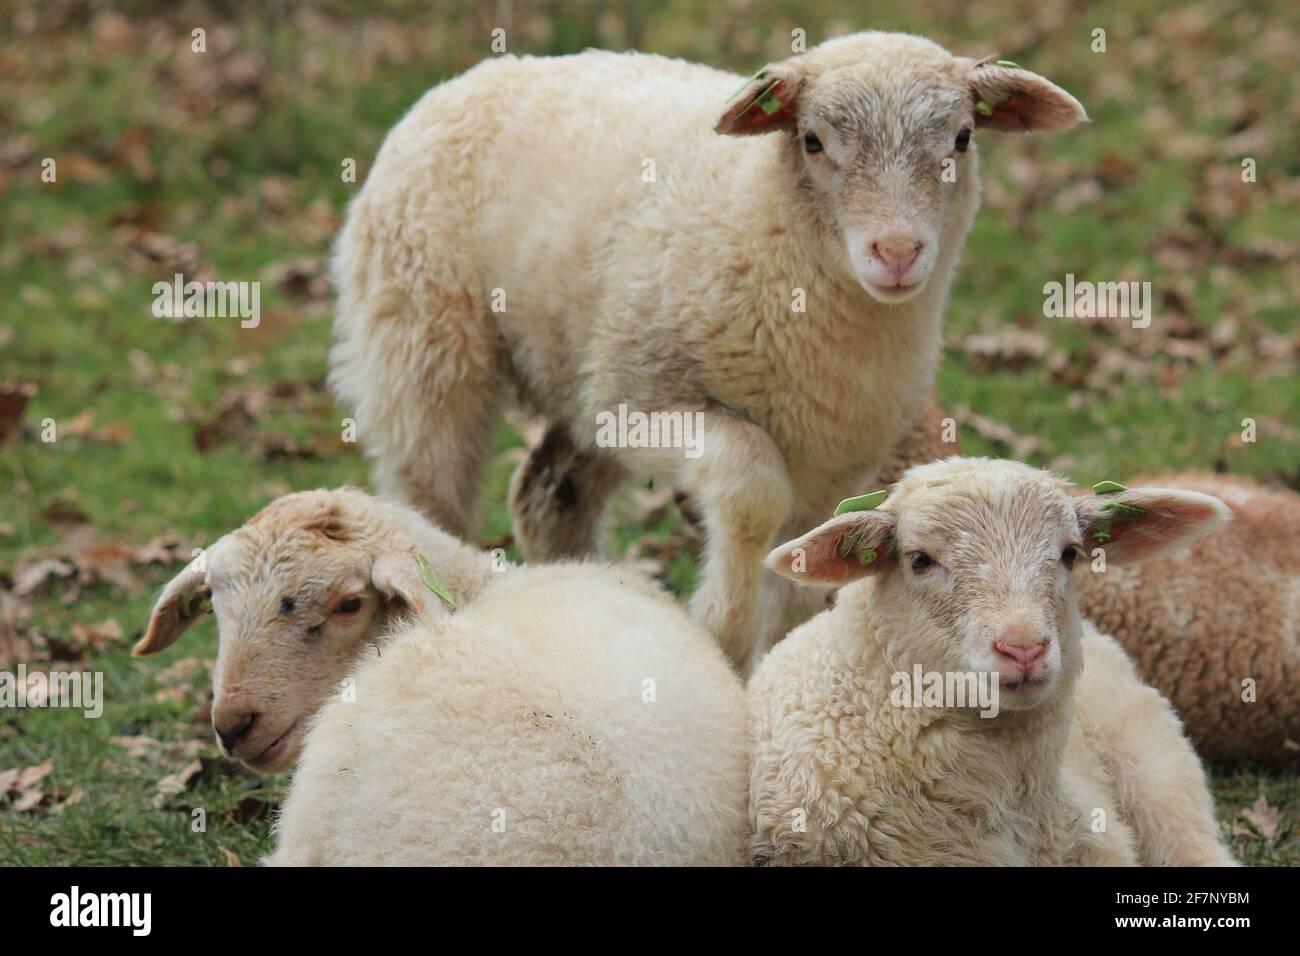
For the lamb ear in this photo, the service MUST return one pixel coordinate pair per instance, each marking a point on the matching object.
(397, 575)
(767, 102)
(184, 600)
(843, 549)
(1138, 524)
(1012, 100)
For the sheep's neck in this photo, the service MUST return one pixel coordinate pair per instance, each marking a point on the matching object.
(1000, 775)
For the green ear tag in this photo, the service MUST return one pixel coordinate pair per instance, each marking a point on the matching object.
(1122, 512)
(432, 582)
(983, 108)
(1010, 63)
(853, 546)
(1113, 511)
(861, 502)
(743, 86)
(196, 604)
(769, 104)
(1108, 487)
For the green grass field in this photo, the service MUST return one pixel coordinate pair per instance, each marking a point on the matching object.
(227, 165)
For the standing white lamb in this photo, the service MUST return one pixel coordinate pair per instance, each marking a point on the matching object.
(963, 573)
(572, 231)
(570, 714)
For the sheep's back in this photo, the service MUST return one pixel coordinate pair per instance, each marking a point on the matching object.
(565, 717)
(1200, 622)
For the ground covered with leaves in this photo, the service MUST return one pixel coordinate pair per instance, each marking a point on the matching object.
(227, 165)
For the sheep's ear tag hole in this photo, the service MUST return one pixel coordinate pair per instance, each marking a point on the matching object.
(195, 605)
(1108, 487)
(864, 553)
(861, 502)
(766, 100)
(433, 583)
(1113, 511)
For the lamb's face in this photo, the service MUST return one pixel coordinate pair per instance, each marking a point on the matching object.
(299, 592)
(891, 157)
(881, 127)
(982, 578)
(972, 561)
(294, 607)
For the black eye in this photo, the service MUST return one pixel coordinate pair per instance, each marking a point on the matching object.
(920, 561)
(1068, 556)
(286, 605)
(348, 606)
(963, 140)
(811, 143)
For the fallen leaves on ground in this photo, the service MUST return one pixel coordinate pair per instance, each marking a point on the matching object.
(23, 790)
(1263, 820)
(241, 418)
(1008, 441)
(81, 559)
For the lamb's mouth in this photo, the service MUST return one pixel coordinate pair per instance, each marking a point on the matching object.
(273, 753)
(893, 293)
(1025, 685)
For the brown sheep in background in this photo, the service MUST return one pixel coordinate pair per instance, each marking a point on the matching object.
(1202, 621)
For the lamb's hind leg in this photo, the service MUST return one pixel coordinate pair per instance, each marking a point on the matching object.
(558, 496)
(424, 372)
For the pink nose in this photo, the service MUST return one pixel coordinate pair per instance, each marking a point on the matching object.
(1020, 655)
(898, 253)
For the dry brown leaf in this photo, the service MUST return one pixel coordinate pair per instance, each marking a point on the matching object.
(177, 782)
(1262, 817)
(139, 746)
(1006, 348)
(98, 637)
(83, 427)
(24, 786)
(1019, 446)
(13, 402)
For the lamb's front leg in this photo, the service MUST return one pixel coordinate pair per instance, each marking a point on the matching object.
(1161, 785)
(743, 491)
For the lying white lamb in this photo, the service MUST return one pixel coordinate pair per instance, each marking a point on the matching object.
(965, 571)
(570, 714)
(564, 714)
(573, 230)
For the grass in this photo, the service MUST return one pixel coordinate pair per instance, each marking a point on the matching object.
(227, 165)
